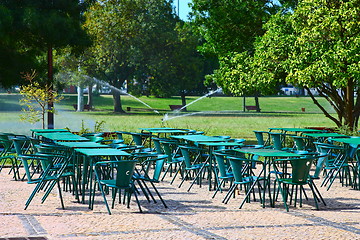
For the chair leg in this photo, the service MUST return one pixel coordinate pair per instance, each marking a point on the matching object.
(157, 192)
(186, 175)
(137, 200)
(218, 188)
(104, 197)
(229, 193)
(314, 195)
(60, 195)
(148, 191)
(114, 192)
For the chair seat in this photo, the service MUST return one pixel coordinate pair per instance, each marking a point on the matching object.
(247, 180)
(197, 166)
(291, 182)
(112, 183)
(228, 175)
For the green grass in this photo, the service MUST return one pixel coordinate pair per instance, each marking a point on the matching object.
(276, 112)
(267, 104)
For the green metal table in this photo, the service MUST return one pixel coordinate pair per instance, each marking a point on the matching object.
(268, 155)
(353, 143)
(90, 155)
(321, 137)
(198, 138)
(211, 147)
(61, 136)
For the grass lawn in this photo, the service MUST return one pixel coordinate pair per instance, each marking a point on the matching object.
(214, 115)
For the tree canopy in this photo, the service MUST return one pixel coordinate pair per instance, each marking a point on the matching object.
(29, 27)
(143, 43)
(314, 46)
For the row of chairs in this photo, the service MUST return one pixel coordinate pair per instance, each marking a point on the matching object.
(47, 164)
(237, 170)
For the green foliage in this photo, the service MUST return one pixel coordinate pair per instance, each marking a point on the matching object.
(30, 28)
(345, 130)
(144, 43)
(314, 46)
(83, 129)
(230, 25)
(35, 100)
(99, 126)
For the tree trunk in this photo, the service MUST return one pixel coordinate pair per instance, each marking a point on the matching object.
(244, 104)
(80, 99)
(349, 120)
(117, 102)
(90, 97)
(257, 104)
(183, 100)
(50, 114)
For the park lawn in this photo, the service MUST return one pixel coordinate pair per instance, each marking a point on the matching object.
(214, 116)
(267, 104)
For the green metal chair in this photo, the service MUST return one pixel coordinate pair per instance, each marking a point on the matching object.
(150, 171)
(122, 180)
(337, 164)
(6, 156)
(303, 144)
(224, 171)
(52, 176)
(174, 160)
(94, 137)
(300, 169)
(189, 166)
(261, 142)
(244, 176)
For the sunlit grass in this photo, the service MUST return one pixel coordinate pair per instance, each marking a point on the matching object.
(276, 112)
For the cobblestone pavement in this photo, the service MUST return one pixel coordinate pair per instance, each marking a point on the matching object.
(190, 215)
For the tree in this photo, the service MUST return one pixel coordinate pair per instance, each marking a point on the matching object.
(230, 27)
(136, 41)
(35, 99)
(114, 28)
(315, 46)
(35, 27)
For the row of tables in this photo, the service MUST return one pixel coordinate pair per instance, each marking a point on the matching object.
(90, 150)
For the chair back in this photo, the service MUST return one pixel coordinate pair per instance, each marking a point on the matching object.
(96, 139)
(159, 149)
(299, 143)
(300, 169)
(237, 165)
(220, 161)
(186, 154)
(276, 140)
(155, 161)
(124, 172)
(137, 139)
(5, 146)
(158, 168)
(259, 137)
(21, 145)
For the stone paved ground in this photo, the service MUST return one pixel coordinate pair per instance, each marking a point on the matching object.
(190, 215)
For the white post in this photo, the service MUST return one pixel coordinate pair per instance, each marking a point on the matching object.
(80, 99)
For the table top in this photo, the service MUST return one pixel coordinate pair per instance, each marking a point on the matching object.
(267, 152)
(308, 130)
(320, 135)
(92, 152)
(350, 140)
(163, 130)
(221, 144)
(199, 138)
(82, 145)
(49, 130)
(62, 136)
